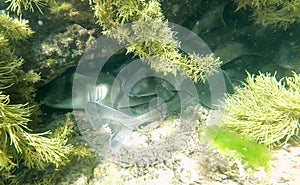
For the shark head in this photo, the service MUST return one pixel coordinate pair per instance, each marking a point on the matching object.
(61, 96)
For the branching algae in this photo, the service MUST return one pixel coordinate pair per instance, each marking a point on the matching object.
(18, 143)
(266, 110)
(19, 5)
(269, 12)
(150, 38)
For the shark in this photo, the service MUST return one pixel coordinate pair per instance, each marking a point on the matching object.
(110, 103)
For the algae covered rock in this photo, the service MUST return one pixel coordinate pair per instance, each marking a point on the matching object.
(60, 51)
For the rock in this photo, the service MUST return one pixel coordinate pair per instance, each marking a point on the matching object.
(57, 52)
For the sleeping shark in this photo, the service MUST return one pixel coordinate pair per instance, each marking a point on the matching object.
(109, 102)
(108, 90)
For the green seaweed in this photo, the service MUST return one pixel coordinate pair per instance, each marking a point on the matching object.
(151, 39)
(265, 109)
(60, 8)
(28, 5)
(14, 29)
(272, 12)
(19, 144)
(71, 10)
(252, 154)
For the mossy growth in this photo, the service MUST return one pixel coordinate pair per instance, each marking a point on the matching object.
(15, 29)
(60, 7)
(252, 154)
(270, 12)
(150, 38)
(265, 109)
(72, 10)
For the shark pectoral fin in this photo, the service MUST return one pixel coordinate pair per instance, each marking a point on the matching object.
(157, 112)
(121, 125)
(103, 113)
(95, 119)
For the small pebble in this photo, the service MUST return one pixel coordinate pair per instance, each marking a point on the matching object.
(40, 22)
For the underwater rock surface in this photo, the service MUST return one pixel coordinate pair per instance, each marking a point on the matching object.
(60, 51)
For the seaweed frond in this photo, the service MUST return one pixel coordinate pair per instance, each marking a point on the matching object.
(28, 5)
(6, 73)
(12, 31)
(15, 29)
(150, 37)
(18, 143)
(265, 109)
(35, 149)
(272, 12)
(252, 154)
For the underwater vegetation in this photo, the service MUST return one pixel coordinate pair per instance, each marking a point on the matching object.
(20, 144)
(251, 153)
(265, 109)
(72, 10)
(150, 38)
(272, 12)
(19, 5)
